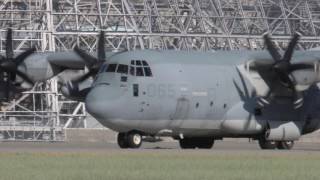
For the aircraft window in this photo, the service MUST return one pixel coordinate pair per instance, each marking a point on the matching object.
(135, 90)
(124, 79)
(139, 71)
(122, 69)
(140, 68)
(147, 71)
(112, 68)
(132, 70)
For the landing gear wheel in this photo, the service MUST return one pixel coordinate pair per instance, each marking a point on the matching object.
(285, 145)
(266, 144)
(134, 140)
(192, 143)
(129, 140)
(122, 140)
(205, 143)
(187, 143)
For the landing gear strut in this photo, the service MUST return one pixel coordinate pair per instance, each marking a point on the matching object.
(192, 143)
(129, 140)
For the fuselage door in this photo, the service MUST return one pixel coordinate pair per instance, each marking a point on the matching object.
(181, 113)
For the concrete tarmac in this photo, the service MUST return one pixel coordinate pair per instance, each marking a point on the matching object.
(104, 147)
(104, 141)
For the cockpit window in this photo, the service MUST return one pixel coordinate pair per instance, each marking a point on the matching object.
(147, 71)
(122, 69)
(145, 63)
(112, 68)
(132, 70)
(140, 68)
(139, 71)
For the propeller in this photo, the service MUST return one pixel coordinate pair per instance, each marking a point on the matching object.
(9, 64)
(71, 88)
(91, 62)
(281, 69)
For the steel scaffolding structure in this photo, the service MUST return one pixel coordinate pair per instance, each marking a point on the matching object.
(59, 25)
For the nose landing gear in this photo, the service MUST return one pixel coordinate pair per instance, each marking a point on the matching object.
(129, 140)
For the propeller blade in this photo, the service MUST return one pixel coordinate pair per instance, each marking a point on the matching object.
(12, 76)
(2, 58)
(261, 66)
(300, 66)
(9, 48)
(89, 59)
(101, 50)
(272, 50)
(71, 85)
(21, 57)
(289, 52)
(263, 101)
(297, 99)
(24, 77)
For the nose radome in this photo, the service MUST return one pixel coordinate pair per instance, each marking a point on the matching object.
(102, 101)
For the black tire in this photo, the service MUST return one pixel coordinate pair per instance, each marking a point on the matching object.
(187, 143)
(205, 143)
(285, 145)
(134, 140)
(122, 140)
(192, 143)
(266, 144)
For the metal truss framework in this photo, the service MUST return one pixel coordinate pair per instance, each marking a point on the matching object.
(59, 25)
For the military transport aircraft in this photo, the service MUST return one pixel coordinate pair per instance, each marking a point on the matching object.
(195, 97)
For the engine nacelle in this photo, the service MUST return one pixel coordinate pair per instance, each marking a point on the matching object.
(284, 131)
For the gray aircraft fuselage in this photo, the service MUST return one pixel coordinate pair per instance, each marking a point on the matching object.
(193, 94)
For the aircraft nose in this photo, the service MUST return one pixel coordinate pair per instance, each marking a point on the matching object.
(102, 101)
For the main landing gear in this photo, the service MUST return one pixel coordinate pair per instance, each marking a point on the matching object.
(192, 143)
(129, 140)
(267, 144)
